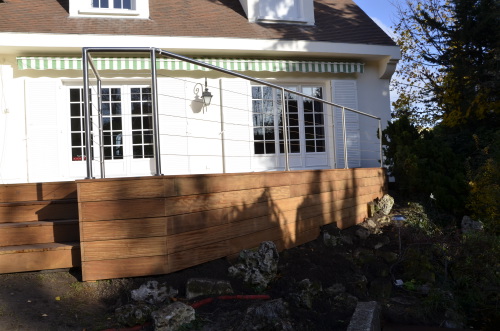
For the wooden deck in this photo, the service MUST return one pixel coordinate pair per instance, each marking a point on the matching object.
(129, 227)
(156, 225)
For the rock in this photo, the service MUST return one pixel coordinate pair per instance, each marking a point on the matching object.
(389, 257)
(268, 315)
(469, 225)
(152, 293)
(346, 238)
(133, 314)
(335, 289)
(366, 317)
(329, 240)
(304, 293)
(385, 204)
(372, 208)
(358, 286)
(196, 287)
(258, 268)
(345, 304)
(380, 288)
(363, 233)
(171, 317)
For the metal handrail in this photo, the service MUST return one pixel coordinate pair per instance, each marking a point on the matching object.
(152, 51)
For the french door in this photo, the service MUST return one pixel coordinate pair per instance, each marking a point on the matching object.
(122, 137)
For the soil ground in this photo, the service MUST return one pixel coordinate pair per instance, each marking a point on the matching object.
(58, 300)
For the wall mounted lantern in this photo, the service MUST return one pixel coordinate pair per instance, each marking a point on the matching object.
(206, 96)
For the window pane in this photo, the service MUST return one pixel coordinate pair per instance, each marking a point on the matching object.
(147, 122)
(117, 124)
(257, 120)
(256, 92)
(257, 106)
(148, 151)
(258, 133)
(258, 147)
(320, 145)
(269, 134)
(293, 119)
(136, 108)
(76, 139)
(320, 132)
(148, 137)
(267, 92)
(308, 119)
(147, 108)
(295, 146)
(117, 108)
(309, 132)
(136, 138)
(318, 119)
(310, 146)
(74, 95)
(270, 148)
(136, 123)
(75, 109)
(75, 124)
(308, 106)
(294, 134)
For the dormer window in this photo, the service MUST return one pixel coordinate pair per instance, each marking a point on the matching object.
(279, 11)
(109, 8)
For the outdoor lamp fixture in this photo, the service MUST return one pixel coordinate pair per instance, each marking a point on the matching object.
(206, 96)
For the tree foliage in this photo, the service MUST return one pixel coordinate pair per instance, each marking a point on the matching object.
(450, 61)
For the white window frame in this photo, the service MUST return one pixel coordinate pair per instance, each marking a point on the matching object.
(84, 8)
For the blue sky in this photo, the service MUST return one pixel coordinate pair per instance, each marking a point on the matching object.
(381, 11)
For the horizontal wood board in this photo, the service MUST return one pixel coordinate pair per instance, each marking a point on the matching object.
(182, 221)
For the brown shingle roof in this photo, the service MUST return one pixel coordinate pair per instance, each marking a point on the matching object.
(340, 21)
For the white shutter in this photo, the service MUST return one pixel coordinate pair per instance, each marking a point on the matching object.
(345, 94)
(42, 131)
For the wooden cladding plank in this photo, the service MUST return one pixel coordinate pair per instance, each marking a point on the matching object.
(185, 259)
(204, 184)
(252, 240)
(122, 229)
(38, 211)
(124, 248)
(198, 203)
(132, 267)
(189, 240)
(38, 233)
(120, 189)
(40, 259)
(121, 209)
(37, 191)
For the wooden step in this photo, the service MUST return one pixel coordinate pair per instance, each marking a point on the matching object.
(37, 191)
(31, 211)
(39, 257)
(40, 232)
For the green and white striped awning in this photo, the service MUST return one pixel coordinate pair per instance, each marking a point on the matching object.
(75, 63)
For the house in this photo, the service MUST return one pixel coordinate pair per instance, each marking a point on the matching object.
(297, 85)
(329, 49)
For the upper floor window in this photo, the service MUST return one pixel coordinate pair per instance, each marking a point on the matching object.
(109, 8)
(279, 11)
(115, 4)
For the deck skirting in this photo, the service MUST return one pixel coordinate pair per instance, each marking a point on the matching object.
(156, 225)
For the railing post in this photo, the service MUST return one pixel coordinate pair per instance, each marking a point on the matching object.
(86, 108)
(222, 137)
(285, 130)
(344, 134)
(380, 141)
(156, 124)
(101, 138)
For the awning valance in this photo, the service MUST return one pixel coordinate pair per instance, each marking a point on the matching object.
(75, 63)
